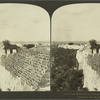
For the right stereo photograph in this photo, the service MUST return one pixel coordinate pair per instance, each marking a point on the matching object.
(75, 48)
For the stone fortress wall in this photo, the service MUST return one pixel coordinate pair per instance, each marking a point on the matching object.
(25, 69)
(91, 72)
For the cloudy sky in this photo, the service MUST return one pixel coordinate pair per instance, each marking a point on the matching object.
(76, 22)
(23, 22)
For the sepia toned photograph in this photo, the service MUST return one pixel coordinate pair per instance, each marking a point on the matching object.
(24, 48)
(75, 49)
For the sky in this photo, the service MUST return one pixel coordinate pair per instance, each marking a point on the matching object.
(24, 22)
(76, 22)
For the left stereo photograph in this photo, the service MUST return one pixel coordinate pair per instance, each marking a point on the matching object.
(24, 48)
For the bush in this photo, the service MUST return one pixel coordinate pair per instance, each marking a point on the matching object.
(64, 57)
(28, 46)
(63, 75)
(71, 43)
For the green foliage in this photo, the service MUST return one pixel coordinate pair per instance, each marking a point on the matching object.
(63, 75)
(64, 57)
(93, 43)
(71, 43)
(6, 42)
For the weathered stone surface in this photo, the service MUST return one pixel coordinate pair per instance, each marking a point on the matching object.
(26, 66)
(91, 76)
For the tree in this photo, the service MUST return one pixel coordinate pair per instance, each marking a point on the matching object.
(6, 43)
(71, 43)
(28, 46)
(93, 43)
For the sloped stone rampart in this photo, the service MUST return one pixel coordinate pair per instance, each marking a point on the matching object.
(28, 64)
(90, 64)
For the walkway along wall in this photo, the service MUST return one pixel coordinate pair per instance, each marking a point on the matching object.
(90, 64)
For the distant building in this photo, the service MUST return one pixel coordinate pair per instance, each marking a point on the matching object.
(74, 46)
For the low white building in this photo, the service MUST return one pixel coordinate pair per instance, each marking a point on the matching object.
(67, 46)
